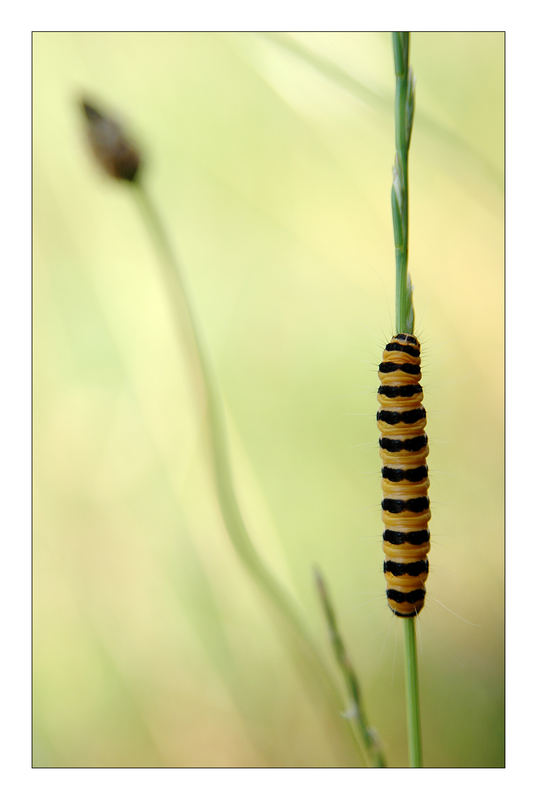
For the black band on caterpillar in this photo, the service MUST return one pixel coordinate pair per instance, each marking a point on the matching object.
(395, 417)
(403, 348)
(404, 448)
(413, 568)
(406, 337)
(412, 537)
(393, 366)
(395, 506)
(397, 475)
(406, 597)
(408, 390)
(396, 445)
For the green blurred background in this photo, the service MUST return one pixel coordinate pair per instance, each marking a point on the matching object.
(152, 645)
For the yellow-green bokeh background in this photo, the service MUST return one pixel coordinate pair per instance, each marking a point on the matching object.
(152, 646)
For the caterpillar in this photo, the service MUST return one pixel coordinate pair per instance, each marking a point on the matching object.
(403, 450)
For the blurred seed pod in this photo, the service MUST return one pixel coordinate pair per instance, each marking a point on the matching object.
(116, 154)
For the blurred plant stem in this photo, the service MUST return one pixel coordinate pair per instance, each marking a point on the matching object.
(365, 736)
(326, 67)
(210, 404)
(404, 316)
(119, 157)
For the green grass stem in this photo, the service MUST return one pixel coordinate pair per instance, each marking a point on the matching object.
(404, 116)
(412, 697)
(404, 319)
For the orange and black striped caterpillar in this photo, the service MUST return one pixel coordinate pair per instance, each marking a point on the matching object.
(403, 449)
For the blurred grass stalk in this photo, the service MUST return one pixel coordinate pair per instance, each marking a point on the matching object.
(404, 321)
(218, 447)
(121, 160)
(209, 401)
(368, 739)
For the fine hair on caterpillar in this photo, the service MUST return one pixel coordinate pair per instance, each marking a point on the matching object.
(405, 478)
